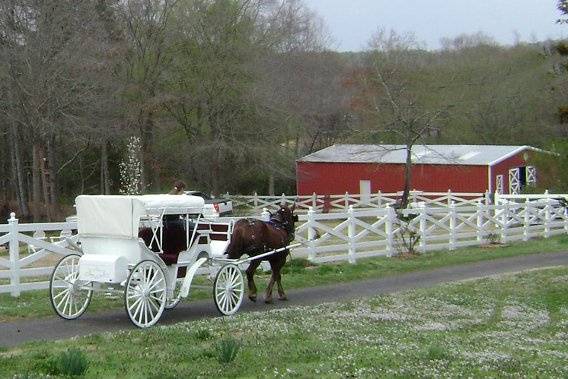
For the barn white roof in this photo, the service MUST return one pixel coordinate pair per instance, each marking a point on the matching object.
(475, 155)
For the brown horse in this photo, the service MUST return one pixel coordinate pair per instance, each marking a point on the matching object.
(254, 237)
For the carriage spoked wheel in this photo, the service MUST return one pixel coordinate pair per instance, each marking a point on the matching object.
(69, 296)
(145, 294)
(228, 289)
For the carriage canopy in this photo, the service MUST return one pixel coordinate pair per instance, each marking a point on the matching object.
(119, 216)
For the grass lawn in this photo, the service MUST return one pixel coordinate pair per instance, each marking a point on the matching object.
(509, 326)
(298, 273)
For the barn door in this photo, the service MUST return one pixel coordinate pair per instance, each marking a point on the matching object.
(514, 181)
(531, 176)
(365, 191)
(499, 185)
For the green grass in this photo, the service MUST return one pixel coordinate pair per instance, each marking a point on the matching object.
(298, 273)
(510, 326)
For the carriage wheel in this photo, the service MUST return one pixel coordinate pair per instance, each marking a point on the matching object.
(228, 289)
(68, 295)
(145, 294)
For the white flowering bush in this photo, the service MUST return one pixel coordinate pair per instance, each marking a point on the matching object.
(131, 168)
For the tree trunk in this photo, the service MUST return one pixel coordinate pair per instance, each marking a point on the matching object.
(17, 173)
(45, 181)
(105, 177)
(36, 182)
(271, 185)
(150, 170)
(52, 173)
(407, 177)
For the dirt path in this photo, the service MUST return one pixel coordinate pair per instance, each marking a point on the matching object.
(16, 333)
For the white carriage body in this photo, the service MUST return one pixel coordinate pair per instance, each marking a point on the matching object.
(125, 242)
(108, 229)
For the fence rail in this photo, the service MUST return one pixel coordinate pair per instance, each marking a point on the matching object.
(341, 203)
(39, 246)
(446, 221)
(359, 234)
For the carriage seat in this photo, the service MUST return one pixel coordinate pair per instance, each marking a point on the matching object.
(173, 241)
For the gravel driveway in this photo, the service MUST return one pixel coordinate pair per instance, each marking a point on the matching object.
(15, 333)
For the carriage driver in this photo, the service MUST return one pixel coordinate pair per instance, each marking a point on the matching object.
(178, 189)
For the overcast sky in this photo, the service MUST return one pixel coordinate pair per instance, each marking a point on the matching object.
(352, 22)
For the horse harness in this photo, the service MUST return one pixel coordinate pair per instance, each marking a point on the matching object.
(274, 222)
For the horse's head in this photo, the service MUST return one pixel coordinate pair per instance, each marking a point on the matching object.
(285, 216)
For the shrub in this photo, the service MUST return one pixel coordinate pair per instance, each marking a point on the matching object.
(296, 265)
(72, 362)
(437, 352)
(203, 334)
(227, 350)
(493, 238)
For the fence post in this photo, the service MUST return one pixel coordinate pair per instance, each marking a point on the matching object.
(346, 200)
(422, 214)
(314, 201)
(390, 216)
(449, 197)
(565, 219)
(351, 233)
(255, 202)
(526, 220)
(14, 256)
(547, 218)
(283, 198)
(479, 214)
(413, 192)
(312, 234)
(380, 199)
(487, 198)
(452, 226)
(504, 222)
(265, 215)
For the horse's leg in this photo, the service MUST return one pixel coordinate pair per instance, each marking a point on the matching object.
(250, 278)
(269, 288)
(278, 274)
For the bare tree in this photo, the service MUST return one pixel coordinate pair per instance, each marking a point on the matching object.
(389, 101)
(146, 25)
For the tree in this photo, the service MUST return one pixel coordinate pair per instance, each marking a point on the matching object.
(146, 25)
(56, 71)
(388, 98)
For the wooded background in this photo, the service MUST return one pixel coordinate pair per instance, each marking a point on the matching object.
(226, 94)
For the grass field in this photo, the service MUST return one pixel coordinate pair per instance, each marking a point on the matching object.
(510, 326)
(299, 274)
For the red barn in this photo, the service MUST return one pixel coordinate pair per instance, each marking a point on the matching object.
(436, 168)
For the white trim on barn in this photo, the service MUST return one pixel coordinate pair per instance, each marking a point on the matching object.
(514, 181)
(531, 176)
(499, 187)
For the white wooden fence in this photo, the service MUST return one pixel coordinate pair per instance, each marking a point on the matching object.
(335, 236)
(30, 261)
(341, 203)
(521, 198)
(359, 234)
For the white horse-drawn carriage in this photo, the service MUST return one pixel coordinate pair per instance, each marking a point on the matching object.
(131, 245)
